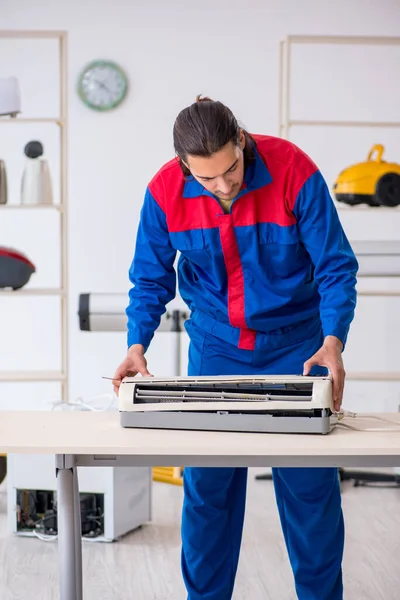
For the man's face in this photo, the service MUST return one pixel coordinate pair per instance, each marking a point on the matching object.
(222, 173)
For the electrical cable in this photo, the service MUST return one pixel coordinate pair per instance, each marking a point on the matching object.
(343, 414)
(79, 403)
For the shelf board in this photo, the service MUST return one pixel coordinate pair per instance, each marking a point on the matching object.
(334, 123)
(373, 376)
(344, 39)
(33, 292)
(31, 376)
(13, 120)
(342, 207)
(58, 207)
(35, 33)
(379, 294)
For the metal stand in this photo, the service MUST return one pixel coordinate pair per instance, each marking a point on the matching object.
(360, 478)
(263, 477)
(364, 478)
(177, 317)
(3, 467)
(69, 529)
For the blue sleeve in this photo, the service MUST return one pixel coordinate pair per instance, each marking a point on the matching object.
(335, 265)
(151, 273)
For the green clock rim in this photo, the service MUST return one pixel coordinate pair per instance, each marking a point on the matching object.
(102, 63)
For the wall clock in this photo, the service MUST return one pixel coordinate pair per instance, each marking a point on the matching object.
(102, 85)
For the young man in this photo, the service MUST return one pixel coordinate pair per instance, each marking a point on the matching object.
(270, 280)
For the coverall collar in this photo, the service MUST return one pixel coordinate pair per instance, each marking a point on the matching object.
(255, 177)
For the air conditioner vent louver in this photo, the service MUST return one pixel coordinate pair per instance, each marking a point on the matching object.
(222, 392)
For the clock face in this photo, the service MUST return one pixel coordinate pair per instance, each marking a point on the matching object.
(102, 85)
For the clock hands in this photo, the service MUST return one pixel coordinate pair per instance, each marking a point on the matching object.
(103, 85)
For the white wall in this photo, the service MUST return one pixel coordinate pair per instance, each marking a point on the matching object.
(172, 51)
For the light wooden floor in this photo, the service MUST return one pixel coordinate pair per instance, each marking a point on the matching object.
(145, 564)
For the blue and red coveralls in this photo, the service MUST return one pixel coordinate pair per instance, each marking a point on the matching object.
(265, 284)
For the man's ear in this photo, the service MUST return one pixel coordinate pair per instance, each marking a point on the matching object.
(185, 164)
(242, 140)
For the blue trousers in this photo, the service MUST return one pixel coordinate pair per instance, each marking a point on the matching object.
(308, 499)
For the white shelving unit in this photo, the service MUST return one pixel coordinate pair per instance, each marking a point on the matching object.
(285, 71)
(126, 492)
(61, 208)
(286, 123)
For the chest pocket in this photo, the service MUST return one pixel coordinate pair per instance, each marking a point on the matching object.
(281, 251)
(191, 245)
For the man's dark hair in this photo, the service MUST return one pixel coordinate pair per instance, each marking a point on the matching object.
(204, 128)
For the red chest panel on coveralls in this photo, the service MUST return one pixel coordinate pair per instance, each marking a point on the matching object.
(235, 281)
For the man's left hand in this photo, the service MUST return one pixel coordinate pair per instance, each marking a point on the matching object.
(330, 356)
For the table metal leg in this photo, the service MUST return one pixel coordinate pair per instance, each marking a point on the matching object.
(78, 537)
(69, 529)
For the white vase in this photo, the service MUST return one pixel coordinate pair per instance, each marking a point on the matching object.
(36, 185)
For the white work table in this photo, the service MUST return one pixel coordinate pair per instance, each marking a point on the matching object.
(79, 439)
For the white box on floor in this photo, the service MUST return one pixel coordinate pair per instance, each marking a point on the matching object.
(124, 493)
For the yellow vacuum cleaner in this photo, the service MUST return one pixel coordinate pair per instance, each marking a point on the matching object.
(172, 475)
(374, 182)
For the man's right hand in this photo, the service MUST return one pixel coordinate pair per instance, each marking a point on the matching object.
(133, 364)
